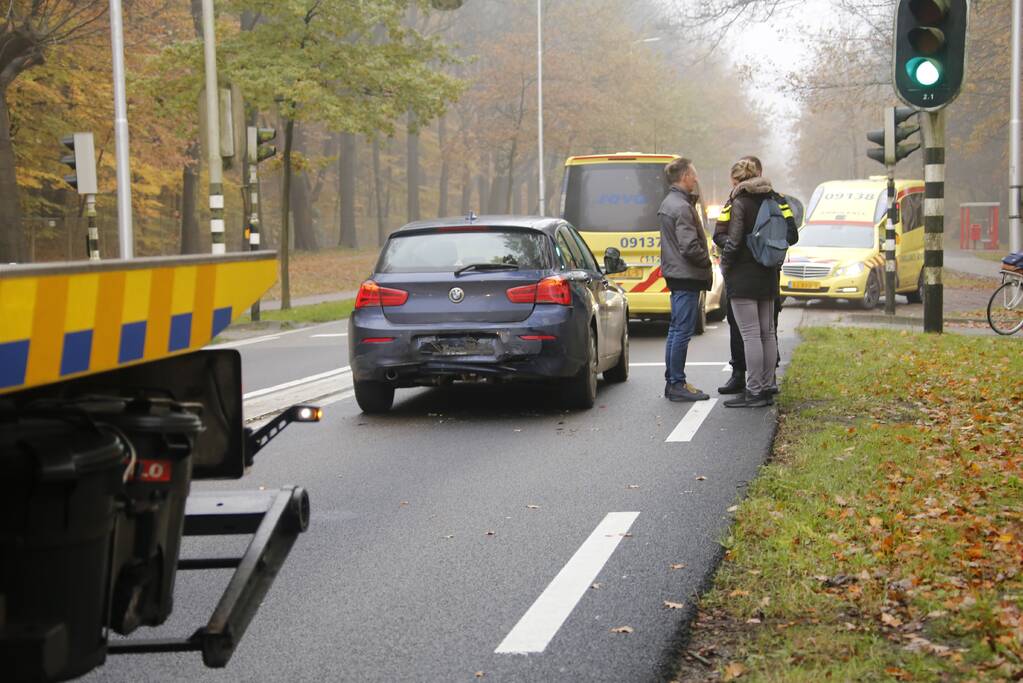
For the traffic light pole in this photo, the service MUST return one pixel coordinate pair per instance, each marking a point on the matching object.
(889, 247)
(1015, 132)
(934, 218)
(216, 163)
(254, 223)
(92, 241)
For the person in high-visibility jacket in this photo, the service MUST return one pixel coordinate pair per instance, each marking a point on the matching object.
(736, 383)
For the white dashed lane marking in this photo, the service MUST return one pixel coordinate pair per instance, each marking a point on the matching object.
(691, 421)
(543, 619)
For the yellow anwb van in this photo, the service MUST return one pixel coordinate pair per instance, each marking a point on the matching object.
(839, 253)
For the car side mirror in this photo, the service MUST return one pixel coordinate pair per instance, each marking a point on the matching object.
(613, 262)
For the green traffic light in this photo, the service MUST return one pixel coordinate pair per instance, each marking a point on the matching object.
(924, 72)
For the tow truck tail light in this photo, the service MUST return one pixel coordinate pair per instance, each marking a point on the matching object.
(372, 294)
(554, 290)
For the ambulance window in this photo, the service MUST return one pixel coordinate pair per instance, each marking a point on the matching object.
(814, 199)
(882, 208)
(912, 211)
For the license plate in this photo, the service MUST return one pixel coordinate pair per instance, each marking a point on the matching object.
(804, 284)
(457, 346)
(632, 274)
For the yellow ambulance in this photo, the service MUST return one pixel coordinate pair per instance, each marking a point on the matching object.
(840, 255)
(612, 199)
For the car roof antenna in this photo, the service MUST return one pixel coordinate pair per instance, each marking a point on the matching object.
(471, 217)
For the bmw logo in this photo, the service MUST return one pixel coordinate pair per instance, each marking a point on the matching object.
(456, 295)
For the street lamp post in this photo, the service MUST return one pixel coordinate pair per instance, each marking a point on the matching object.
(539, 105)
(124, 229)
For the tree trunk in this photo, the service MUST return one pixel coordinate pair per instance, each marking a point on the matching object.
(301, 205)
(190, 201)
(412, 171)
(466, 191)
(445, 170)
(347, 170)
(511, 174)
(379, 195)
(302, 213)
(12, 241)
(289, 132)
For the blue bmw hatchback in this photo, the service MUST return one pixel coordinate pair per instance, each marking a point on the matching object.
(486, 299)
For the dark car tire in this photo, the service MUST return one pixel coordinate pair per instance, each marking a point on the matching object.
(917, 295)
(701, 315)
(580, 391)
(872, 293)
(722, 310)
(620, 372)
(374, 397)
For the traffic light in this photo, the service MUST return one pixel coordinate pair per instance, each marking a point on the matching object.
(82, 161)
(930, 51)
(897, 128)
(258, 149)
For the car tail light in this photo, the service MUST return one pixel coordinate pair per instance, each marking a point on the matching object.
(372, 294)
(553, 290)
(378, 340)
(537, 337)
(526, 294)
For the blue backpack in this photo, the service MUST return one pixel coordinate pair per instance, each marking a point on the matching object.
(768, 241)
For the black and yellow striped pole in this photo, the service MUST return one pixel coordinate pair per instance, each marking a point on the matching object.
(92, 241)
(934, 219)
(889, 246)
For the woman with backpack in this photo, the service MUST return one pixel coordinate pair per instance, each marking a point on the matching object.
(750, 260)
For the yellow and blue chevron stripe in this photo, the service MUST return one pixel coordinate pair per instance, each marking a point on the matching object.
(62, 321)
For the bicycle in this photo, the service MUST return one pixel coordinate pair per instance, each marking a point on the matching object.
(1005, 309)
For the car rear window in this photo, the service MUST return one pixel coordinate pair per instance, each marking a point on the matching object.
(438, 252)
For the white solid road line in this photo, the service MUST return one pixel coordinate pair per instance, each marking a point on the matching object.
(321, 336)
(295, 383)
(270, 337)
(543, 619)
(688, 363)
(690, 423)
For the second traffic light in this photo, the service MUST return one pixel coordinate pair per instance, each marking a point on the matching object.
(897, 128)
(82, 161)
(930, 51)
(258, 140)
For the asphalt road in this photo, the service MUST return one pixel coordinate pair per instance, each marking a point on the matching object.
(482, 529)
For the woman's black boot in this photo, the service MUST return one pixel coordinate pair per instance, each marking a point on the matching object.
(748, 400)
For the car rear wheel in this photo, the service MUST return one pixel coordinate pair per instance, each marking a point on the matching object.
(620, 372)
(871, 293)
(722, 309)
(374, 397)
(581, 390)
(917, 295)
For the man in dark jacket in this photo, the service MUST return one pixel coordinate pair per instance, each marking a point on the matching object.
(686, 267)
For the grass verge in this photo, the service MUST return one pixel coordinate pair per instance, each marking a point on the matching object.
(885, 539)
(316, 313)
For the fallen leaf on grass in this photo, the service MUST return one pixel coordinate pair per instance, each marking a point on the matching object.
(890, 620)
(623, 629)
(673, 605)
(734, 670)
(737, 593)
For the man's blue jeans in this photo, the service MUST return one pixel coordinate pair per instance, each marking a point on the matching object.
(684, 309)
